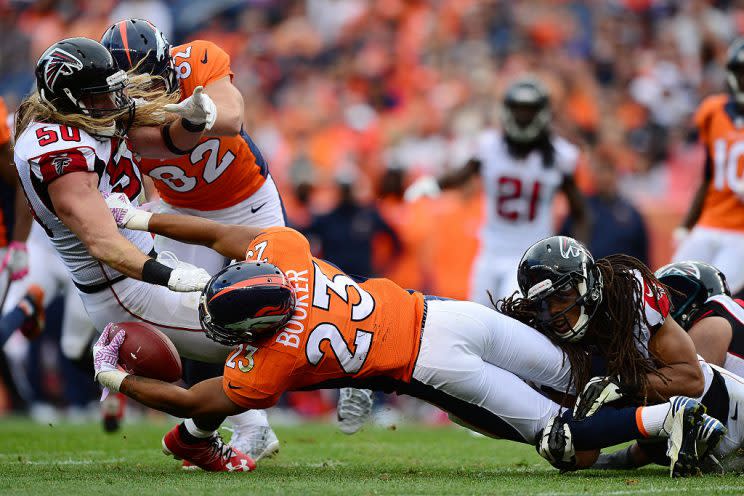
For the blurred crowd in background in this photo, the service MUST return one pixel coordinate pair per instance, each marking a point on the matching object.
(351, 100)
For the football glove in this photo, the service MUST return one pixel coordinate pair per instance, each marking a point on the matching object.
(597, 392)
(125, 214)
(555, 444)
(15, 260)
(186, 278)
(423, 186)
(106, 358)
(197, 109)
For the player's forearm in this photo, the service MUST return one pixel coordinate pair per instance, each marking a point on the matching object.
(679, 379)
(119, 253)
(456, 178)
(172, 140)
(160, 395)
(228, 240)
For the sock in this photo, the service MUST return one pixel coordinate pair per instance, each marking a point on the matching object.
(10, 322)
(650, 419)
(619, 460)
(608, 427)
(250, 418)
(191, 434)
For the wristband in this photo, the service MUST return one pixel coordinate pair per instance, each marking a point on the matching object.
(192, 127)
(111, 379)
(156, 273)
(165, 133)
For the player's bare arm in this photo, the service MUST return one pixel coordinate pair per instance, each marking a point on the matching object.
(23, 219)
(202, 401)
(230, 107)
(712, 337)
(577, 209)
(152, 142)
(696, 207)
(678, 363)
(80, 206)
(431, 186)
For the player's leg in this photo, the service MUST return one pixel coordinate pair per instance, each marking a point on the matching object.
(728, 259)
(701, 244)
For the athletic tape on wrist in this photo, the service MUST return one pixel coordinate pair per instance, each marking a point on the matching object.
(111, 379)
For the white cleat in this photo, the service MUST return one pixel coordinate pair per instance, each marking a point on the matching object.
(354, 409)
(682, 424)
(258, 442)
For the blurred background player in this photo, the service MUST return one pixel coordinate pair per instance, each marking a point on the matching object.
(713, 229)
(522, 166)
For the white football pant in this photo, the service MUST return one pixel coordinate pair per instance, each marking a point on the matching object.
(722, 248)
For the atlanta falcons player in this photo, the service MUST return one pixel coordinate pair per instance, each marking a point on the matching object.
(522, 166)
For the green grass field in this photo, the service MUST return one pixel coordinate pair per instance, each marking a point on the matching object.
(314, 459)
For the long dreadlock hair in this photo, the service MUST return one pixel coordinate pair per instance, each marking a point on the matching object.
(612, 333)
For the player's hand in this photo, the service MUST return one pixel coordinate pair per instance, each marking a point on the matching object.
(125, 214)
(106, 354)
(423, 186)
(197, 109)
(597, 392)
(15, 260)
(186, 278)
(555, 444)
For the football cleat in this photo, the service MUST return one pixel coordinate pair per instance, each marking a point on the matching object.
(709, 434)
(256, 441)
(682, 423)
(555, 444)
(32, 304)
(112, 409)
(210, 454)
(354, 409)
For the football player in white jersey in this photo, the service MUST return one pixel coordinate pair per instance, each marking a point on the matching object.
(73, 139)
(611, 319)
(522, 167)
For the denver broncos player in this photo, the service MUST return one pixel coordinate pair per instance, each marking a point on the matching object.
(523, 166)
(713, 229)
(298, 322)
(224, 177)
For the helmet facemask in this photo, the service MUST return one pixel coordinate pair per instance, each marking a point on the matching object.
(735, 72)
(572, 290)
(524, 122)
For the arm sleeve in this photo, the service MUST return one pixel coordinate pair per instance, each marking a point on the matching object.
(54, 164)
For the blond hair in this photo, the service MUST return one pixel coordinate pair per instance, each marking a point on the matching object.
(149, 109)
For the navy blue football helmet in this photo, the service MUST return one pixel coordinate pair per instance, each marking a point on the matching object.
(692, 283)
(137, 44)
(561, 268)
(246, 301)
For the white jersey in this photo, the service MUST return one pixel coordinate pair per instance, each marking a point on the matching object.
(43, 153)
(519, 192)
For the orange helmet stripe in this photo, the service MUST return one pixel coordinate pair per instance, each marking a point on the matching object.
(263, 280)
(124, 39)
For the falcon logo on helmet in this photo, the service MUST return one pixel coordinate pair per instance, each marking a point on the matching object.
(60, 63)
(569, 247)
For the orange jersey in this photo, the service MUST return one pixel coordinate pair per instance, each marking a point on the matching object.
(723, 138)
(219, 172)
(4, 140)
(340, 331)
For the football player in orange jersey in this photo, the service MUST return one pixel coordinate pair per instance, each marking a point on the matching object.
(713, 229)
(298, 322)
(224, 177)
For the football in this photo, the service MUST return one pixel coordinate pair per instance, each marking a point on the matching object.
(146, 351)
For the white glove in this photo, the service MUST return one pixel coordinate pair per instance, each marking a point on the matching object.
(597, 392)
(186, 278)
(423, 186)
(197, 109)
(15, 260)
(125, 214)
